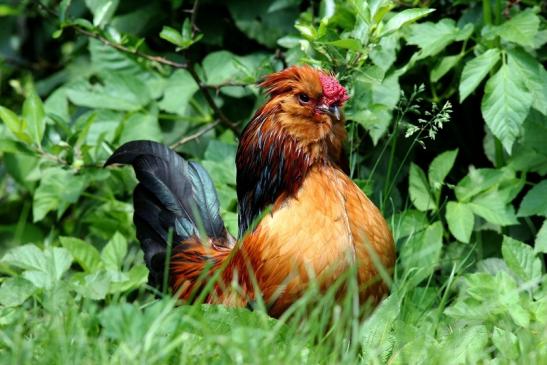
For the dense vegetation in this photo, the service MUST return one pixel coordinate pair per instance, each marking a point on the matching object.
(447, 134)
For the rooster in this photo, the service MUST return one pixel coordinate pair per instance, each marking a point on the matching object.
(301, 218)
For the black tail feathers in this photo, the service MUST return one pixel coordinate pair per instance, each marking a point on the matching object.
(172, 194)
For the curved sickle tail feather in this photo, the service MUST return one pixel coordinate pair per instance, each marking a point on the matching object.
(172, 194)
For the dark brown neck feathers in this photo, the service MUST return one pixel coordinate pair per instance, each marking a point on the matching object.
(270, 164)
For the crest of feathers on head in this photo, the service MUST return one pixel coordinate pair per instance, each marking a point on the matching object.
(288, 80)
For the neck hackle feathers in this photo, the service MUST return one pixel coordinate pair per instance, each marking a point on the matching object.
(275, 151)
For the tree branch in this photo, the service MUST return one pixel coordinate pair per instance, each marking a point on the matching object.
(136, 52)
(160, 60)
(223, 119)
(196, 135)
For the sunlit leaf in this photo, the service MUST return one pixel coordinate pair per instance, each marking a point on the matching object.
(476, 70)
(460, 219)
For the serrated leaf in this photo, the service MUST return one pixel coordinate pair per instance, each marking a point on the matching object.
(57, 190)
(440, 167)
(27, 257)
(179, 90)
(521, 259)
(42, 268)
(114, 252)
(14, 291)
(492, 207)
(402, 18)
(480, 180)
(445, 65)
(534, 75)
(460, 220)
(506, 343)
(421, 253)
(353, 44)
(520, 29)
(16, 125)
(258, 23)
(85, 254)
(120, 91)
(540, 244)
(102, 10)
(432, 38)
(34, 115)
(172, 35)
(419, 190)
(535, 201)
(136, 276)
(505, 105)
(94, 286)
(476, 70)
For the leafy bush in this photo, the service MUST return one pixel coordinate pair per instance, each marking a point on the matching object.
(447, 130)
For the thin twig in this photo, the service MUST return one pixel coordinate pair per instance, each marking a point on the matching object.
(196, 135)
(223, 119)
(193, 17)
(136, 52)
(161, 60)
(227, 84)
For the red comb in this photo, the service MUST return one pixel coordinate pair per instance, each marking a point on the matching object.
(332, 90)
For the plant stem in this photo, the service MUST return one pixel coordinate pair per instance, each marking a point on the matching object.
(391, 160)
(486, 12)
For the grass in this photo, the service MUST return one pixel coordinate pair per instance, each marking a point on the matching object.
(58, 326)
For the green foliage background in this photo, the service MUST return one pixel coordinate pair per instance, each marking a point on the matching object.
(447, 134)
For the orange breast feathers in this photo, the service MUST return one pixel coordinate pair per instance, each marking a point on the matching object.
(327, 227)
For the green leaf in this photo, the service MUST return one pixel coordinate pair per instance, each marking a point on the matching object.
(173, 36)
(521, 259)
(114, 252)
(348, 43)
(42, 268)
(402, 18)
(476, 70)
(534, 75)
(421, 253)
(57, 190)
(408, 222)
(445, 65)
(16, 125)
(34, 115)
(94, 286)
(419, 190)
(505, 105)
(492, 207)
(432, 38)
(520, 29)
(142, 126)
(14, 291)
(540, 245)
(506, 343)
(85, 254)
(137, 276)
(460, 220)
(440, 167)
(535, 201)
(120, 91)
(375, 334)
(258, 23)
(179, 90)
(480, 180)
(27, 257)
(102, 10)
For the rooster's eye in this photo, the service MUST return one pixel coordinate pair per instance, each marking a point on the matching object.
(303, 98)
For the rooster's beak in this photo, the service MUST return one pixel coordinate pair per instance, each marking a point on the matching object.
(333, 110)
